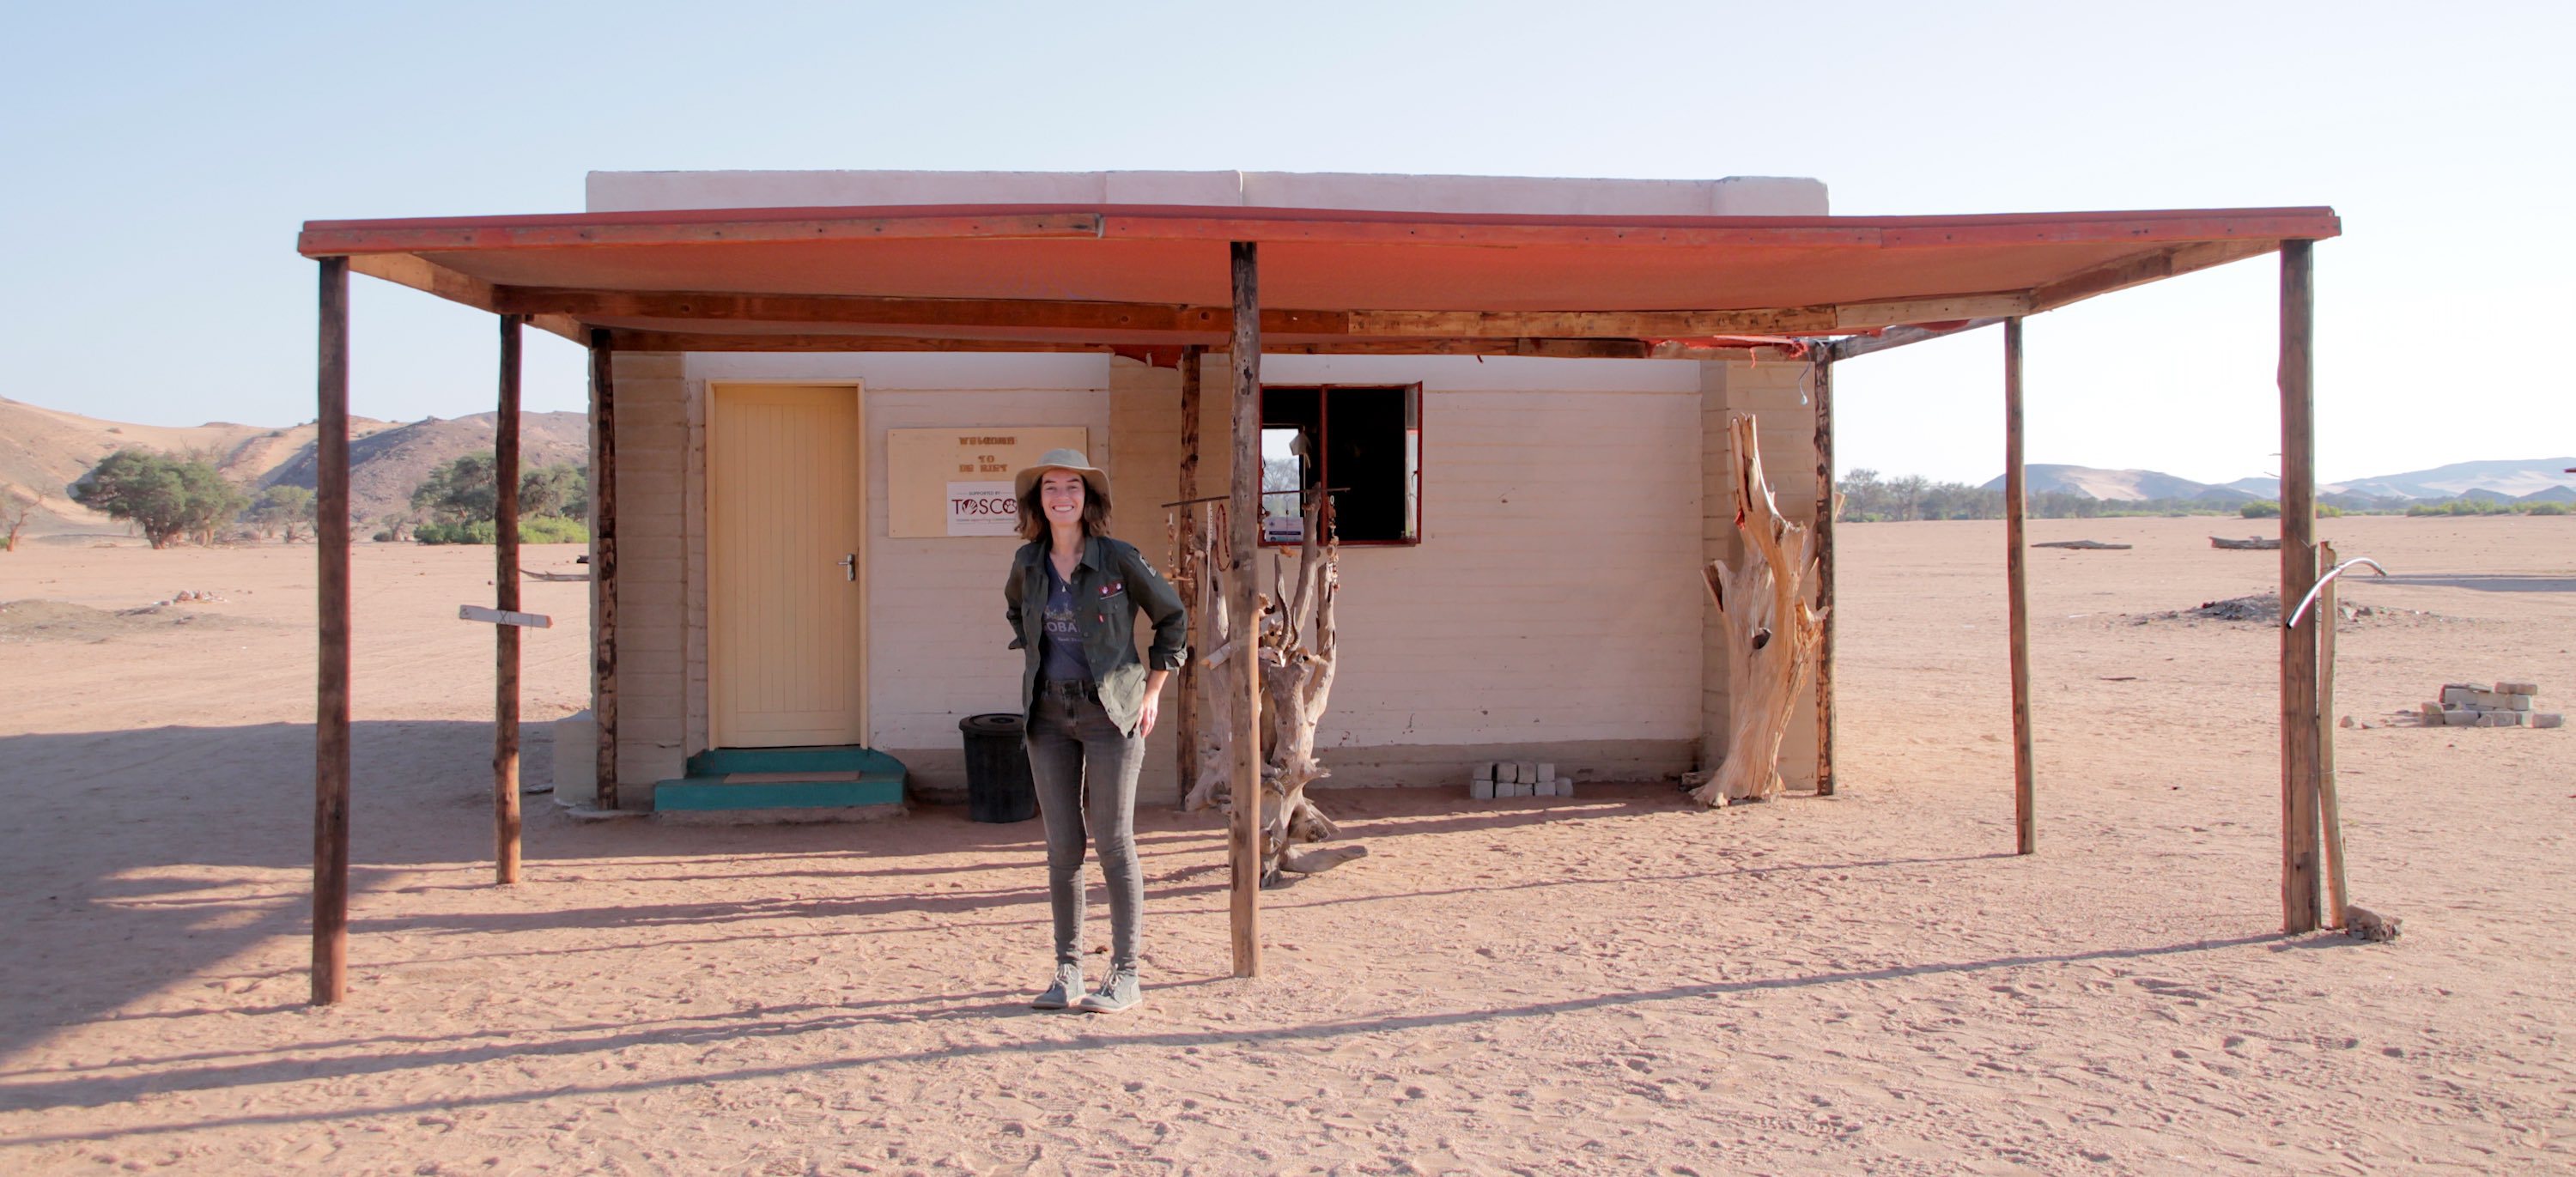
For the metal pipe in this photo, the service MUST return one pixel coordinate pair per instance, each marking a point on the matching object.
(2292, 621)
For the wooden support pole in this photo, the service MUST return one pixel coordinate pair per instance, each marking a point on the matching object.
(2300, 758)
(603, 563)
(1824, 371)
(1186, 563)
(2017, 585)
(2329, 807)
(331, 689)
(505, 594)
(1243, 519)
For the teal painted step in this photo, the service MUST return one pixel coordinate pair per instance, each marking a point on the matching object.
(879, 779)
(718, 762)
(712, 793)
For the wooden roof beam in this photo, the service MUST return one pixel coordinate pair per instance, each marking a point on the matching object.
(1618, 349)
(419, 273)
(1896, 337)
(1866, 316)
(2141, 268)
(1065, 315)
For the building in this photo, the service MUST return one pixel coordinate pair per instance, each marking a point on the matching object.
(804, 383)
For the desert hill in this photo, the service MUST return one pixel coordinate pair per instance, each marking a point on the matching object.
(43, 451)
(387, 464)
(2117, 484)
(2512, 480)
(2507, 479)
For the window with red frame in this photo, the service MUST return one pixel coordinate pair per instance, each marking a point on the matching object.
(1361, 442)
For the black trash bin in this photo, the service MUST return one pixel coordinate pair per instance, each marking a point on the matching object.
(998, 788)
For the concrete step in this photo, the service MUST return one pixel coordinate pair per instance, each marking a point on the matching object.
(713, 793)
(808, 762)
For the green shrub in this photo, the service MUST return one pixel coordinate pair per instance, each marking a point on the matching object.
(541, 530)
(2260, 509)
(550, 529)
(477, 532)
(2547, 508)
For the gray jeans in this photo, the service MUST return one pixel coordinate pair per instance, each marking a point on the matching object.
(1085, 772)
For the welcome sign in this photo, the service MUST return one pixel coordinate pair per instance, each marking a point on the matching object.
(957, 482)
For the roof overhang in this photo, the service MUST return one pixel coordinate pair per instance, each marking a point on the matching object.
(1056, 277)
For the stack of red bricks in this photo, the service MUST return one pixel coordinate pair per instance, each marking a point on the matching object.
(2503, 704)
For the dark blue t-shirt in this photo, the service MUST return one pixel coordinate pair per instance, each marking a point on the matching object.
(1060, 645)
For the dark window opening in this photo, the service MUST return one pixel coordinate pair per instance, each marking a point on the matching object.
(1362, 441)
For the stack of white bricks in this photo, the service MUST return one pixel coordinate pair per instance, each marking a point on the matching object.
(1522, 778)
(2504, 704)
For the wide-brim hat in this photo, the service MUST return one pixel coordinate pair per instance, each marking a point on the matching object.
(1095, 481)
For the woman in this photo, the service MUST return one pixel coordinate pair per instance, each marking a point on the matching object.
(1072, 600)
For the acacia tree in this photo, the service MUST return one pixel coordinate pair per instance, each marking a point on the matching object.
(168, 497)
(562, 489)
(282, 508)
(462, 491)
(1860, 492)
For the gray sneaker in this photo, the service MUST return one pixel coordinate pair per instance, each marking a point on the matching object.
(1068, 981)
(1119, 992)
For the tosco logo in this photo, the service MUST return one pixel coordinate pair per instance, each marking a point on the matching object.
(984, 507)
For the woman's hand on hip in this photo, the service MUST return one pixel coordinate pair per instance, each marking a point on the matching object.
(1153, 702)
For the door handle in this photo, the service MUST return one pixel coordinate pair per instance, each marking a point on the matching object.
(849, 566)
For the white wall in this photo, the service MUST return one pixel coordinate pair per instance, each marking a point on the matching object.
(936, 638)
(1553, 609)
(1554, 596)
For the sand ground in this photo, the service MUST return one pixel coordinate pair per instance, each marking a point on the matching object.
(1613, 983)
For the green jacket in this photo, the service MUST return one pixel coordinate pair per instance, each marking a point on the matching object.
(1111, 583)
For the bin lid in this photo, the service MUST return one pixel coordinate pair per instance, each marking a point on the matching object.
(999, 723)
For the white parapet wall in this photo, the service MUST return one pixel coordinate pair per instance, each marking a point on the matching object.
(1734, 196)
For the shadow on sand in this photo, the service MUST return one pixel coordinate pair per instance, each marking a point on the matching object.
(136, 860)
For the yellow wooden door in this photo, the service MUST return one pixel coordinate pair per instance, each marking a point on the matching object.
(786, 610)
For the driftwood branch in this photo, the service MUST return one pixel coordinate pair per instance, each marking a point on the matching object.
(1295, 640)
(1770, 630)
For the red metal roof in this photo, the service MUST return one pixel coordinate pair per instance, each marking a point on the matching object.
(1012, 270)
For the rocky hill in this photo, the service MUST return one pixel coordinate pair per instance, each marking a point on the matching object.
(43, 451)
(387, 464)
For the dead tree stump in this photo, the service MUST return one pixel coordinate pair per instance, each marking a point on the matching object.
(1771, 632)
(1296, 642)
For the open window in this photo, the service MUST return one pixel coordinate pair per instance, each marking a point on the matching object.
(1362, 442)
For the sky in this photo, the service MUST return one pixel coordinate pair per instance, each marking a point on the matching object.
(161, 158)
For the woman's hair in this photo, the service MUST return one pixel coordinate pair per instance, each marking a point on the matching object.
(1095, 511)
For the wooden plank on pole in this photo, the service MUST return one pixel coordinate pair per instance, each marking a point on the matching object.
(505, 599)
(504, 617)
(2329, 807)
(331, 689)
(1243, 517)
(2300, 761)
(1856, 346)
(603, 564)
(2017, 583)
(1824, 373)
(1186, 564)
